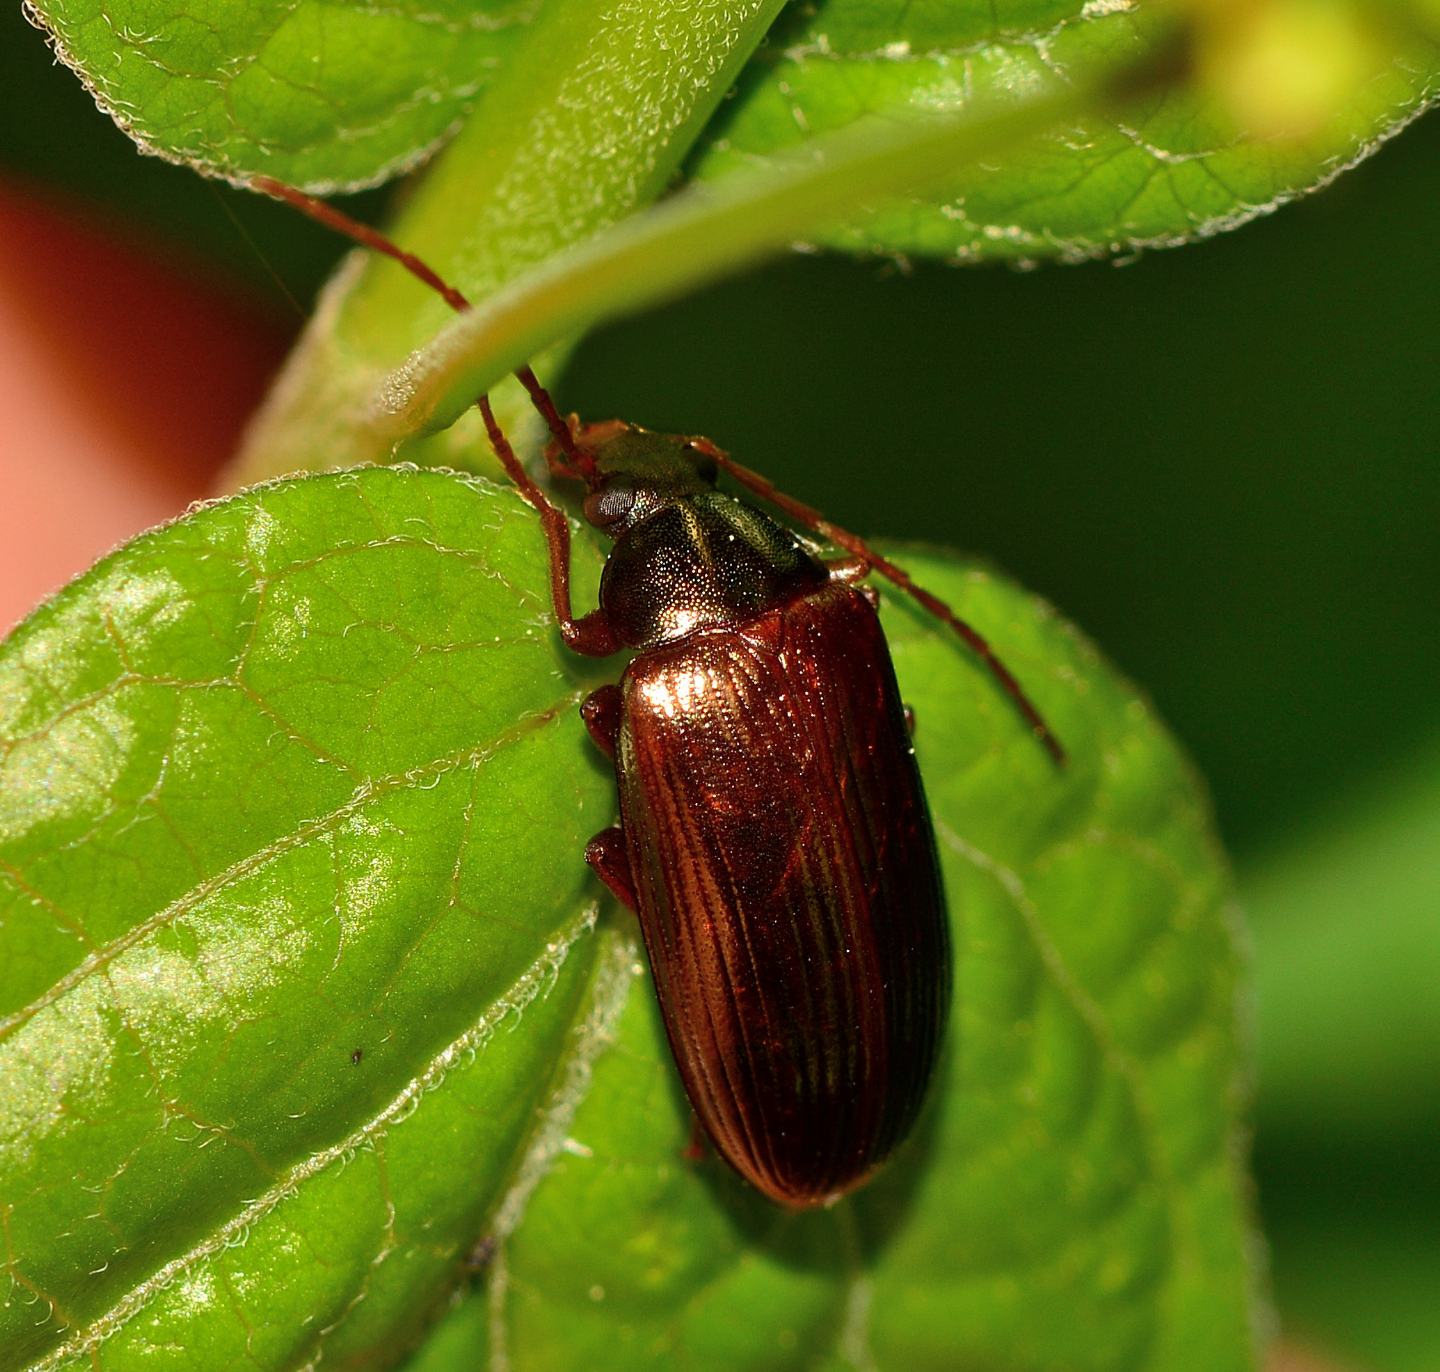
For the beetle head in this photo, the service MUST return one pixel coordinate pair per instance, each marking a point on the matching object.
(637, 472)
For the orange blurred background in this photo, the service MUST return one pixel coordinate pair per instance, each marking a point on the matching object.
(125, 378)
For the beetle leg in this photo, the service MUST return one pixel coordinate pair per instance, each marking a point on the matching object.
(590, 635)
(698, 1145)
(601, 712)
(580, 463)
(909, 720)
(847, 569)
(606, 853)
(862, 552)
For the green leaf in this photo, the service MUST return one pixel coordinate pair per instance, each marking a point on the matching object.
(696, 235)
(302, 991)
(1104, 176)
(333, 97)
(706, 232)
(322, 95)
(1347, 958)
(1173, 169)
(289, 963)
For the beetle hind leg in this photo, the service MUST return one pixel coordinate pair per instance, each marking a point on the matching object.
(606, 853)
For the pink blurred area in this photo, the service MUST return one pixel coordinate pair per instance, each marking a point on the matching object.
(126, 371)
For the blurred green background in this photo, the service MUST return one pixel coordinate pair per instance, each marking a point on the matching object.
(1221, 461)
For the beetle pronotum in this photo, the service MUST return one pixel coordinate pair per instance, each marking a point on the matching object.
(799, 951)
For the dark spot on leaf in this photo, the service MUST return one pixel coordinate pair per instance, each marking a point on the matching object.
(479, 1257)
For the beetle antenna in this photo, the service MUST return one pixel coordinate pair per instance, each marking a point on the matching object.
(813, 520)
(324, 213)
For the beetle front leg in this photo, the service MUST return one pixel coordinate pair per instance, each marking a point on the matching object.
(607, 854)
(848, 570)
(591, 635)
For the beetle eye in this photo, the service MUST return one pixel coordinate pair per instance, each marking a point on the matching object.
(609, 505)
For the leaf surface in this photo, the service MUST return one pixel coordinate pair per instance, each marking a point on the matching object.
(588, 120)
(1346, 954)
(289, 962)
(1169, 169)
(319, 94)
(1079, 146)
(588, 111)
(331, 96)
(303, 992)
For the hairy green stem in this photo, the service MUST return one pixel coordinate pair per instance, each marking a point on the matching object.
(588, 121)
(706, 232)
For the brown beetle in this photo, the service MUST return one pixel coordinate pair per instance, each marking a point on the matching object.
(774, 837)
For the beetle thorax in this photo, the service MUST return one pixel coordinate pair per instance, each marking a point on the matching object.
(700, 562)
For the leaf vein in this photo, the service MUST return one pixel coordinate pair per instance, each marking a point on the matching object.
(524, 988)
(364, 795)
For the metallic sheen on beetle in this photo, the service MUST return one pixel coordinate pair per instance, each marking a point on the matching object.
(774, 838)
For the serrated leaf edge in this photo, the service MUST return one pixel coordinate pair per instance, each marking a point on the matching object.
(122, 113)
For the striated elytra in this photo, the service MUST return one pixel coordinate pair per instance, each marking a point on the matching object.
(774, 838)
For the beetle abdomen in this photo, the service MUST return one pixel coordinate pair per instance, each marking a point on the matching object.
(788, 890)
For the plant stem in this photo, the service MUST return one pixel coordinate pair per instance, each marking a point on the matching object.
(709, 231)
(589, 120)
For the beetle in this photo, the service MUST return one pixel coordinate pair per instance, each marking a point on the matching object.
(774, 839)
